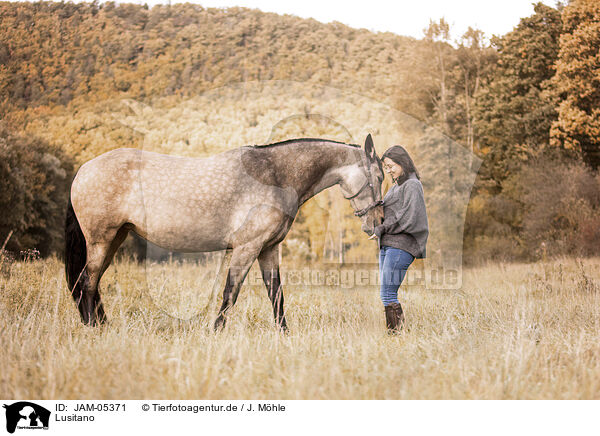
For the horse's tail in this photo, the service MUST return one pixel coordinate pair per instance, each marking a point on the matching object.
(75, 256)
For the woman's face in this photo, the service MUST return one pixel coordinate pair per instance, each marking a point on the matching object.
(392, 168)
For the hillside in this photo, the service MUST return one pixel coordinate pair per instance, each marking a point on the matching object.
(57, 54)
(192, 81)
(484, 120)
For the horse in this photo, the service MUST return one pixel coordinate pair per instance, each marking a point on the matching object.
(242, 200)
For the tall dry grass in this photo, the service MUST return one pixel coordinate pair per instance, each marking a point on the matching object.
(527, 331)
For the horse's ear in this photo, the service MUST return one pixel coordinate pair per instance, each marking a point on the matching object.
(370, 148)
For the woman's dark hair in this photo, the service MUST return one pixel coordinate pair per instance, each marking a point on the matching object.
(398, 154)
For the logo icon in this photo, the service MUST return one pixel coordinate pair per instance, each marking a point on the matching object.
(26, 415)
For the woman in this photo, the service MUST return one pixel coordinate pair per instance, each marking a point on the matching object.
(403, 233)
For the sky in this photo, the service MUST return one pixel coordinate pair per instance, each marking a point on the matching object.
(403, 17)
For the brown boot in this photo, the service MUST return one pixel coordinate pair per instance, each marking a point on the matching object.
(394, 318)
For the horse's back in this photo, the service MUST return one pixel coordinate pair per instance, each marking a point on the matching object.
(124, 168)
(175, 202)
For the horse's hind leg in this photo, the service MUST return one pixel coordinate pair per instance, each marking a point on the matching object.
(90, 304)
(268, 260)
(114, 246)
(99, 256)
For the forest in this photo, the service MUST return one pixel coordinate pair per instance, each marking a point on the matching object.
(505, 131)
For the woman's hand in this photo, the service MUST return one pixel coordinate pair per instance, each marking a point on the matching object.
(377, 232)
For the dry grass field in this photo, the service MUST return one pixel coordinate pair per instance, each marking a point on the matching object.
(515, 331)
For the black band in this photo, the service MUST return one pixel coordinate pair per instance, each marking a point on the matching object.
(368, 208)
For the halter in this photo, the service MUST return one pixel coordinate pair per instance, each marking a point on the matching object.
(368, 182)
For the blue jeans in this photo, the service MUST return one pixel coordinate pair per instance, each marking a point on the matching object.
(393, 263)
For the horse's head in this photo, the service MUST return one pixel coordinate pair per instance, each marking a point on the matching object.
(363, 187)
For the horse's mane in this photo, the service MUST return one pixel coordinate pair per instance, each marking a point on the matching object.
(289, 141)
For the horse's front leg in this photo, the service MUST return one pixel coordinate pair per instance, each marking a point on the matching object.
(242, 258)
(268, 260)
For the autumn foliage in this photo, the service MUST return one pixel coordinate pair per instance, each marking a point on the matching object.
(80, 79)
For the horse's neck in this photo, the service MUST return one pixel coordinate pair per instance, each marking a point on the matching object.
(337, 172)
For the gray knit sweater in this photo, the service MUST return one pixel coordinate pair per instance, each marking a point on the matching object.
(405, 218)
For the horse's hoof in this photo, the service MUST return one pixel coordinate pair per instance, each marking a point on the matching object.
(219, 324)
(283, 329)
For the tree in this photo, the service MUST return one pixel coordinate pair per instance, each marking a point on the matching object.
(33, 192)
(474, 61)
(437, 37)
(578, 82)
(516, 108)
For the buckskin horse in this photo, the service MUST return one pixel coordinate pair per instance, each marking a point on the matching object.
(244, 200)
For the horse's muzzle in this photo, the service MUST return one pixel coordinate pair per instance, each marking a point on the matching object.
(368, 230)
